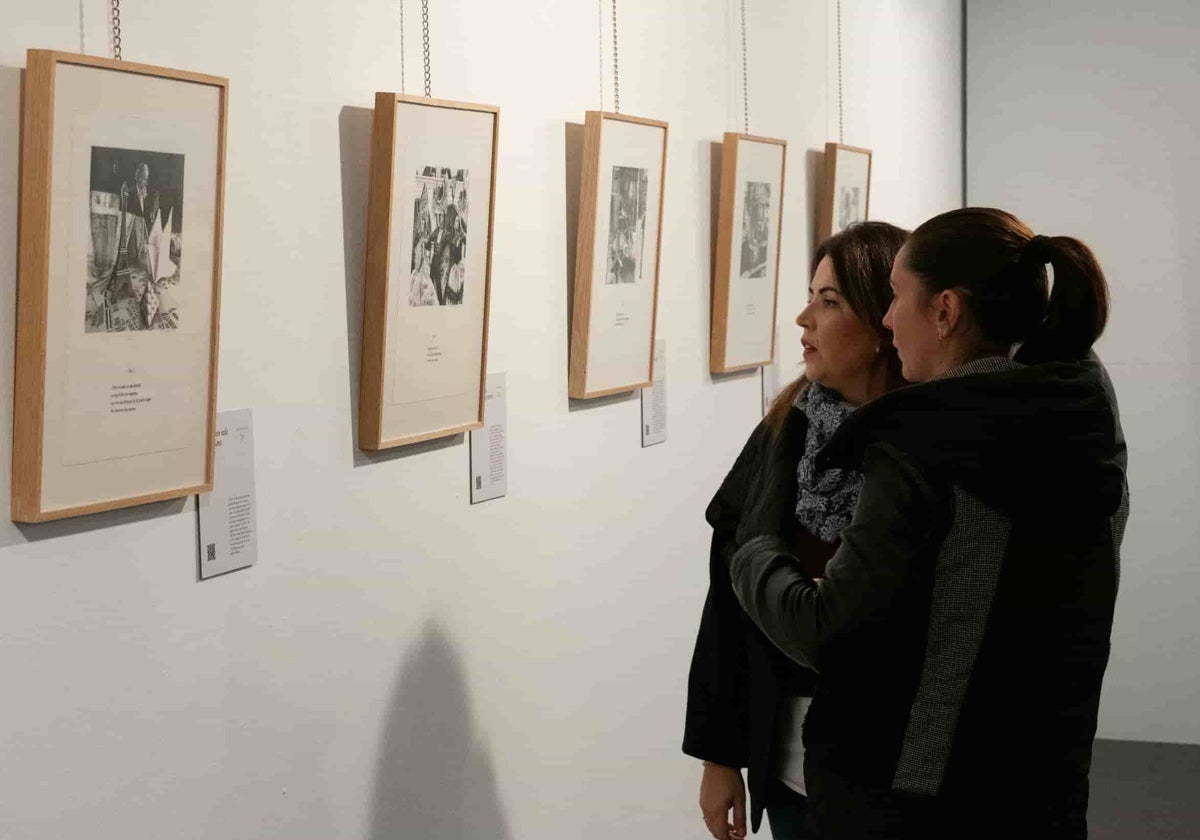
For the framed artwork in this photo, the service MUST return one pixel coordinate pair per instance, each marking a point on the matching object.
(846, 198)
(749, 228)
(119, 269)
(616, 261)
(428, 270)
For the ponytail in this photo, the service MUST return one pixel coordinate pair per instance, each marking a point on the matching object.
(1001, 266)
(1077, 311)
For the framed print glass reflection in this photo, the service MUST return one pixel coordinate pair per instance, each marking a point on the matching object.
(428, 270)
(119, 266)
(616, 260)
(846, 198)
(749, 228)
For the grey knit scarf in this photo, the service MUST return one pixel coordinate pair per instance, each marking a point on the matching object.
(825, 503)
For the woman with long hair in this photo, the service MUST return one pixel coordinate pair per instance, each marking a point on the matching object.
(746, 701)
(961, 630)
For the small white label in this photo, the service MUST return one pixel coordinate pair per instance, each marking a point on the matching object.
(654, 399)
(489, 445)
(228, 516)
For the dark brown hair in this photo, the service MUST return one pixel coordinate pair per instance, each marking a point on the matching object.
(997, 261)
(862, 257)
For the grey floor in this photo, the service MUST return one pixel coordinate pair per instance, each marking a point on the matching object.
(1144, 790)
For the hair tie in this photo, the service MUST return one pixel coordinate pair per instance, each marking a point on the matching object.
(1036, 251)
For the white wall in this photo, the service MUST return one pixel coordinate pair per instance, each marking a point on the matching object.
(400, 664)
(1081, 119)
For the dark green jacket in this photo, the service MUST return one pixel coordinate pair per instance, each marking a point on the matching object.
(738, 680)
(962, 628)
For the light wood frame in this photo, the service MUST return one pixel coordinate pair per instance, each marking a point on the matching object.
(33, 265)
(378, 260)
(725, 230)
(577, 386)
(826, 210)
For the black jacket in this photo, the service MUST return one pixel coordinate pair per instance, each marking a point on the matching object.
(962, 628)
(738, 677)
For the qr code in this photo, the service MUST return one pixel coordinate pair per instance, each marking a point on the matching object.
(212, 552)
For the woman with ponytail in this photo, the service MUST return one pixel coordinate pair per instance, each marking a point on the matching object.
(961, 630)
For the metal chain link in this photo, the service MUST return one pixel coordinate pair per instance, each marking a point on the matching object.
(841, 110)
(425, 41)
(616, 66)
(402, 88)
(600, 30)
(116, 29)
(745, 75)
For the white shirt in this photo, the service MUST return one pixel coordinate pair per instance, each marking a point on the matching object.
(789, 763)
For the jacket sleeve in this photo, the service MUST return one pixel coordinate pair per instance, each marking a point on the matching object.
(717, 726)
(892, 527)
(717, 722)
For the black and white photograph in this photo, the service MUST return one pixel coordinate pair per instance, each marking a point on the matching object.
(135, 247)
(439, 237)
(627, 224)
(755, 229)
(849, 206)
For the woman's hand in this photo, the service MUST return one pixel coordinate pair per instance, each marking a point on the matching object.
(721, 788)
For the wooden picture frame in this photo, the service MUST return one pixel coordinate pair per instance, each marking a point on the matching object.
(613, 321)
(749, 239)
(846, 197)
(118, 301)
(427, 294)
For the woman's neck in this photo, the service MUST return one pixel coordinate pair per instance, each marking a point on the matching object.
(873, 385)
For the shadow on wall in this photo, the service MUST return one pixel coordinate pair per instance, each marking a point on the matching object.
(435, 778)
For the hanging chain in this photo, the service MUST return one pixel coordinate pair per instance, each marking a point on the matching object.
(82, 32)
(841, 117)
(616, 67)
(745, 75)
(425, 40)
(600, 30)
(116, 29)
(402, 89)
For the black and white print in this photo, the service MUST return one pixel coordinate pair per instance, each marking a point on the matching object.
(755, 229)
(135, 249)
(627, 224)
(849, 206)
(439, 237)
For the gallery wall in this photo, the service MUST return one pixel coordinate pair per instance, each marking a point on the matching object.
(399, 663)
(1081, 119)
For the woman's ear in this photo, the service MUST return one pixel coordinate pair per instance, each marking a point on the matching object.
(949, 311)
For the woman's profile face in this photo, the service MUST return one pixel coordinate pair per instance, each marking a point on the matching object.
(913, 325)
(840, 349)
